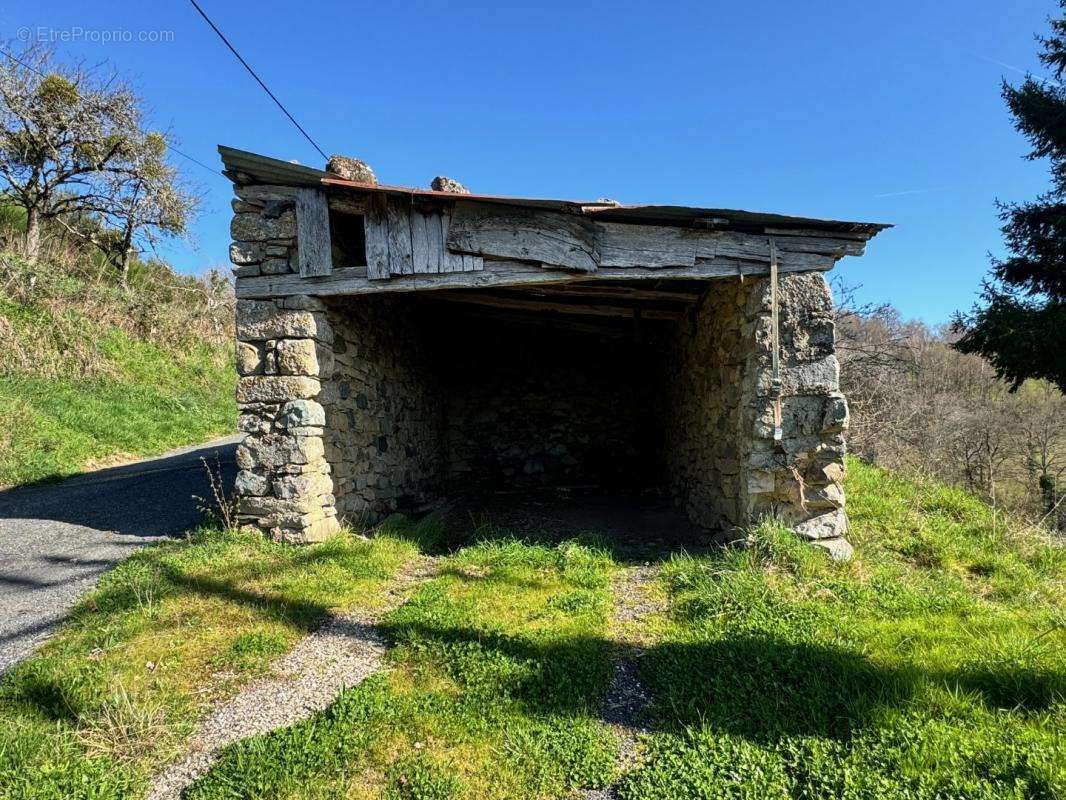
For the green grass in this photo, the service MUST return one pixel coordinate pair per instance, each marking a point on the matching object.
(170, 630)
(493, 690)
(934, 666)
(88, 376)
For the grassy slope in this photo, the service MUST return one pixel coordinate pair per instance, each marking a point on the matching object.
(934, 666)
(171, 629)
(77, 387)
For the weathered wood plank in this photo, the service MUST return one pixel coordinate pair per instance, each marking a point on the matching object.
(398, 214)
(449, 261)
(357, 280)
(604, 290)
(376, 226)
(435, 241)
(472, 263)
(348, 205)
(811, 233)
(424, 255)
(624, 245)
(312, 232)
(730, 244)
(561, 240)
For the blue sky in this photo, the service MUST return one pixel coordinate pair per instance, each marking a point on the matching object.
(885, 112)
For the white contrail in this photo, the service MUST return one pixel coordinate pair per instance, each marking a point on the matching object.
(909, 191)
(1012, 68)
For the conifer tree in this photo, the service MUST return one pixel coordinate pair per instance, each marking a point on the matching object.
(1020, 323)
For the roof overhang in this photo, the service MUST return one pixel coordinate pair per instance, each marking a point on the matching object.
(242, 166)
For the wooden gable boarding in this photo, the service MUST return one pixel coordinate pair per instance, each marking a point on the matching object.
(404, 239)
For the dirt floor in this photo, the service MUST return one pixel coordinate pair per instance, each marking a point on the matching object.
(636, 529)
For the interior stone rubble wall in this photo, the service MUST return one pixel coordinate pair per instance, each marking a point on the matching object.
(385, 419)
(700, 406)
(528, 406)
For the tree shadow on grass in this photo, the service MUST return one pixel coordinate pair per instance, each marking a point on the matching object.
(565, 677)
(763, 688)
(1012, 687)
(760, 688)
(62, 691)
(757, 688)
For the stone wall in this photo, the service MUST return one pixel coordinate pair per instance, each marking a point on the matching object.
(385, 418)
(264, 231)
(529, 406)
(284, 355)
(798, 478)
(362, 405)
(723, 466)
(700, 406)
(284, 352)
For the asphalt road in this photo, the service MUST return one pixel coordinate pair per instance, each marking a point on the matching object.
(57, 539)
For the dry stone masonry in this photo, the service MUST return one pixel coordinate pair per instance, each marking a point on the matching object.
(396, 346)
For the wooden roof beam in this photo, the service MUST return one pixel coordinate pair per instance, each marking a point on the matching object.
(353, 280)
(496, 301)
(607, 292)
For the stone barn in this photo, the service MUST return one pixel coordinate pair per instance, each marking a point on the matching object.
(396, 346)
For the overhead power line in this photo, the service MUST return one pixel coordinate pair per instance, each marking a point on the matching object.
(259, 80)
(169, 146)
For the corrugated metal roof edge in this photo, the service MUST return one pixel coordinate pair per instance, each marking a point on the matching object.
(273, 170)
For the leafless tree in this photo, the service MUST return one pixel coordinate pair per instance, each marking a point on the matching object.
(877, 356)
(919, 404)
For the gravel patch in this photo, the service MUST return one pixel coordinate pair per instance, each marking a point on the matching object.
(627, 699)
(340, 654)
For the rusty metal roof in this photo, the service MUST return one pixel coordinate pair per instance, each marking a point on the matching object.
(263, 169)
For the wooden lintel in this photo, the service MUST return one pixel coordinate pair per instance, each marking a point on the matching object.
(354, 280)
(520, 302)
(347, 205)
(536, 305)
(606, 290)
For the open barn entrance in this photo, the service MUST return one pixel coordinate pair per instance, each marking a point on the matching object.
(397, 345)
(605, 390)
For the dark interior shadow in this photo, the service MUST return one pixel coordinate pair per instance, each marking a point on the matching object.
(635, 527)
(149, 499)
